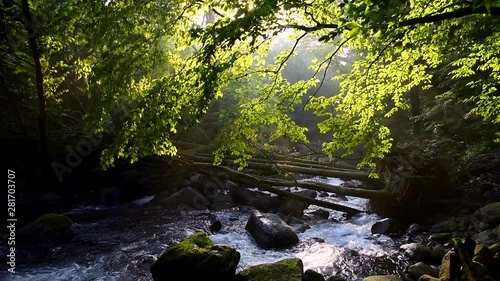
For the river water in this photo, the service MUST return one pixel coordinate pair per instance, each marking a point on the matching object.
(120, 243)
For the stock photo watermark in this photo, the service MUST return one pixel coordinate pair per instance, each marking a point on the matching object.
(11, 220)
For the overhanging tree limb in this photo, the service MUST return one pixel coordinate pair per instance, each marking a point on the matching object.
(467, 11)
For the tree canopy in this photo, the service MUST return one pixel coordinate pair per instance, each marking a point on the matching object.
(142, 71)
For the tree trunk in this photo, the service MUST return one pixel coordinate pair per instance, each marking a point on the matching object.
(35, 53)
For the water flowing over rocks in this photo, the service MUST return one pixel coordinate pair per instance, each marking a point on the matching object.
(120, 242)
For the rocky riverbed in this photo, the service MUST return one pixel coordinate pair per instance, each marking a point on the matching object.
(121, 242)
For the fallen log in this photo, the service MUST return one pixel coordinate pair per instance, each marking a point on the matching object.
(267, 184)
(318, 170)
(250, 181)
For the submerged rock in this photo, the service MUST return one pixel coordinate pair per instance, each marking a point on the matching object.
(196, 257)
(283, 270)
(47, 228)
(270, 231)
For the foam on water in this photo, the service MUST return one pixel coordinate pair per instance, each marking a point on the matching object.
(143, 201)
(337, 237)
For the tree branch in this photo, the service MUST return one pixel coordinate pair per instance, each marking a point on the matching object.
(495, 11)
(311, 28)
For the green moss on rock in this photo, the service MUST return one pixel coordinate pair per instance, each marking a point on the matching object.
(195, 258)
(187, 251)
(283, 270)
(47, 228)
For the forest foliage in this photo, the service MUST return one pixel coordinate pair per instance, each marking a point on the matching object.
(421, 77)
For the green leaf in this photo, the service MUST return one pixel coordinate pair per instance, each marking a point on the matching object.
(354, 32)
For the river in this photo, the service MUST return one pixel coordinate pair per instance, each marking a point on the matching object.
(120, 243)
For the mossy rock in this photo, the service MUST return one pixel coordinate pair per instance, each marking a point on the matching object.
(47, 228)
(194, 258)
(284, 270)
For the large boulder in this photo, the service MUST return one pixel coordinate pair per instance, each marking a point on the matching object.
(284, 270)
(270, 231)
(196, 257)
(490, 213)
(386, 226)
(50, 227)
